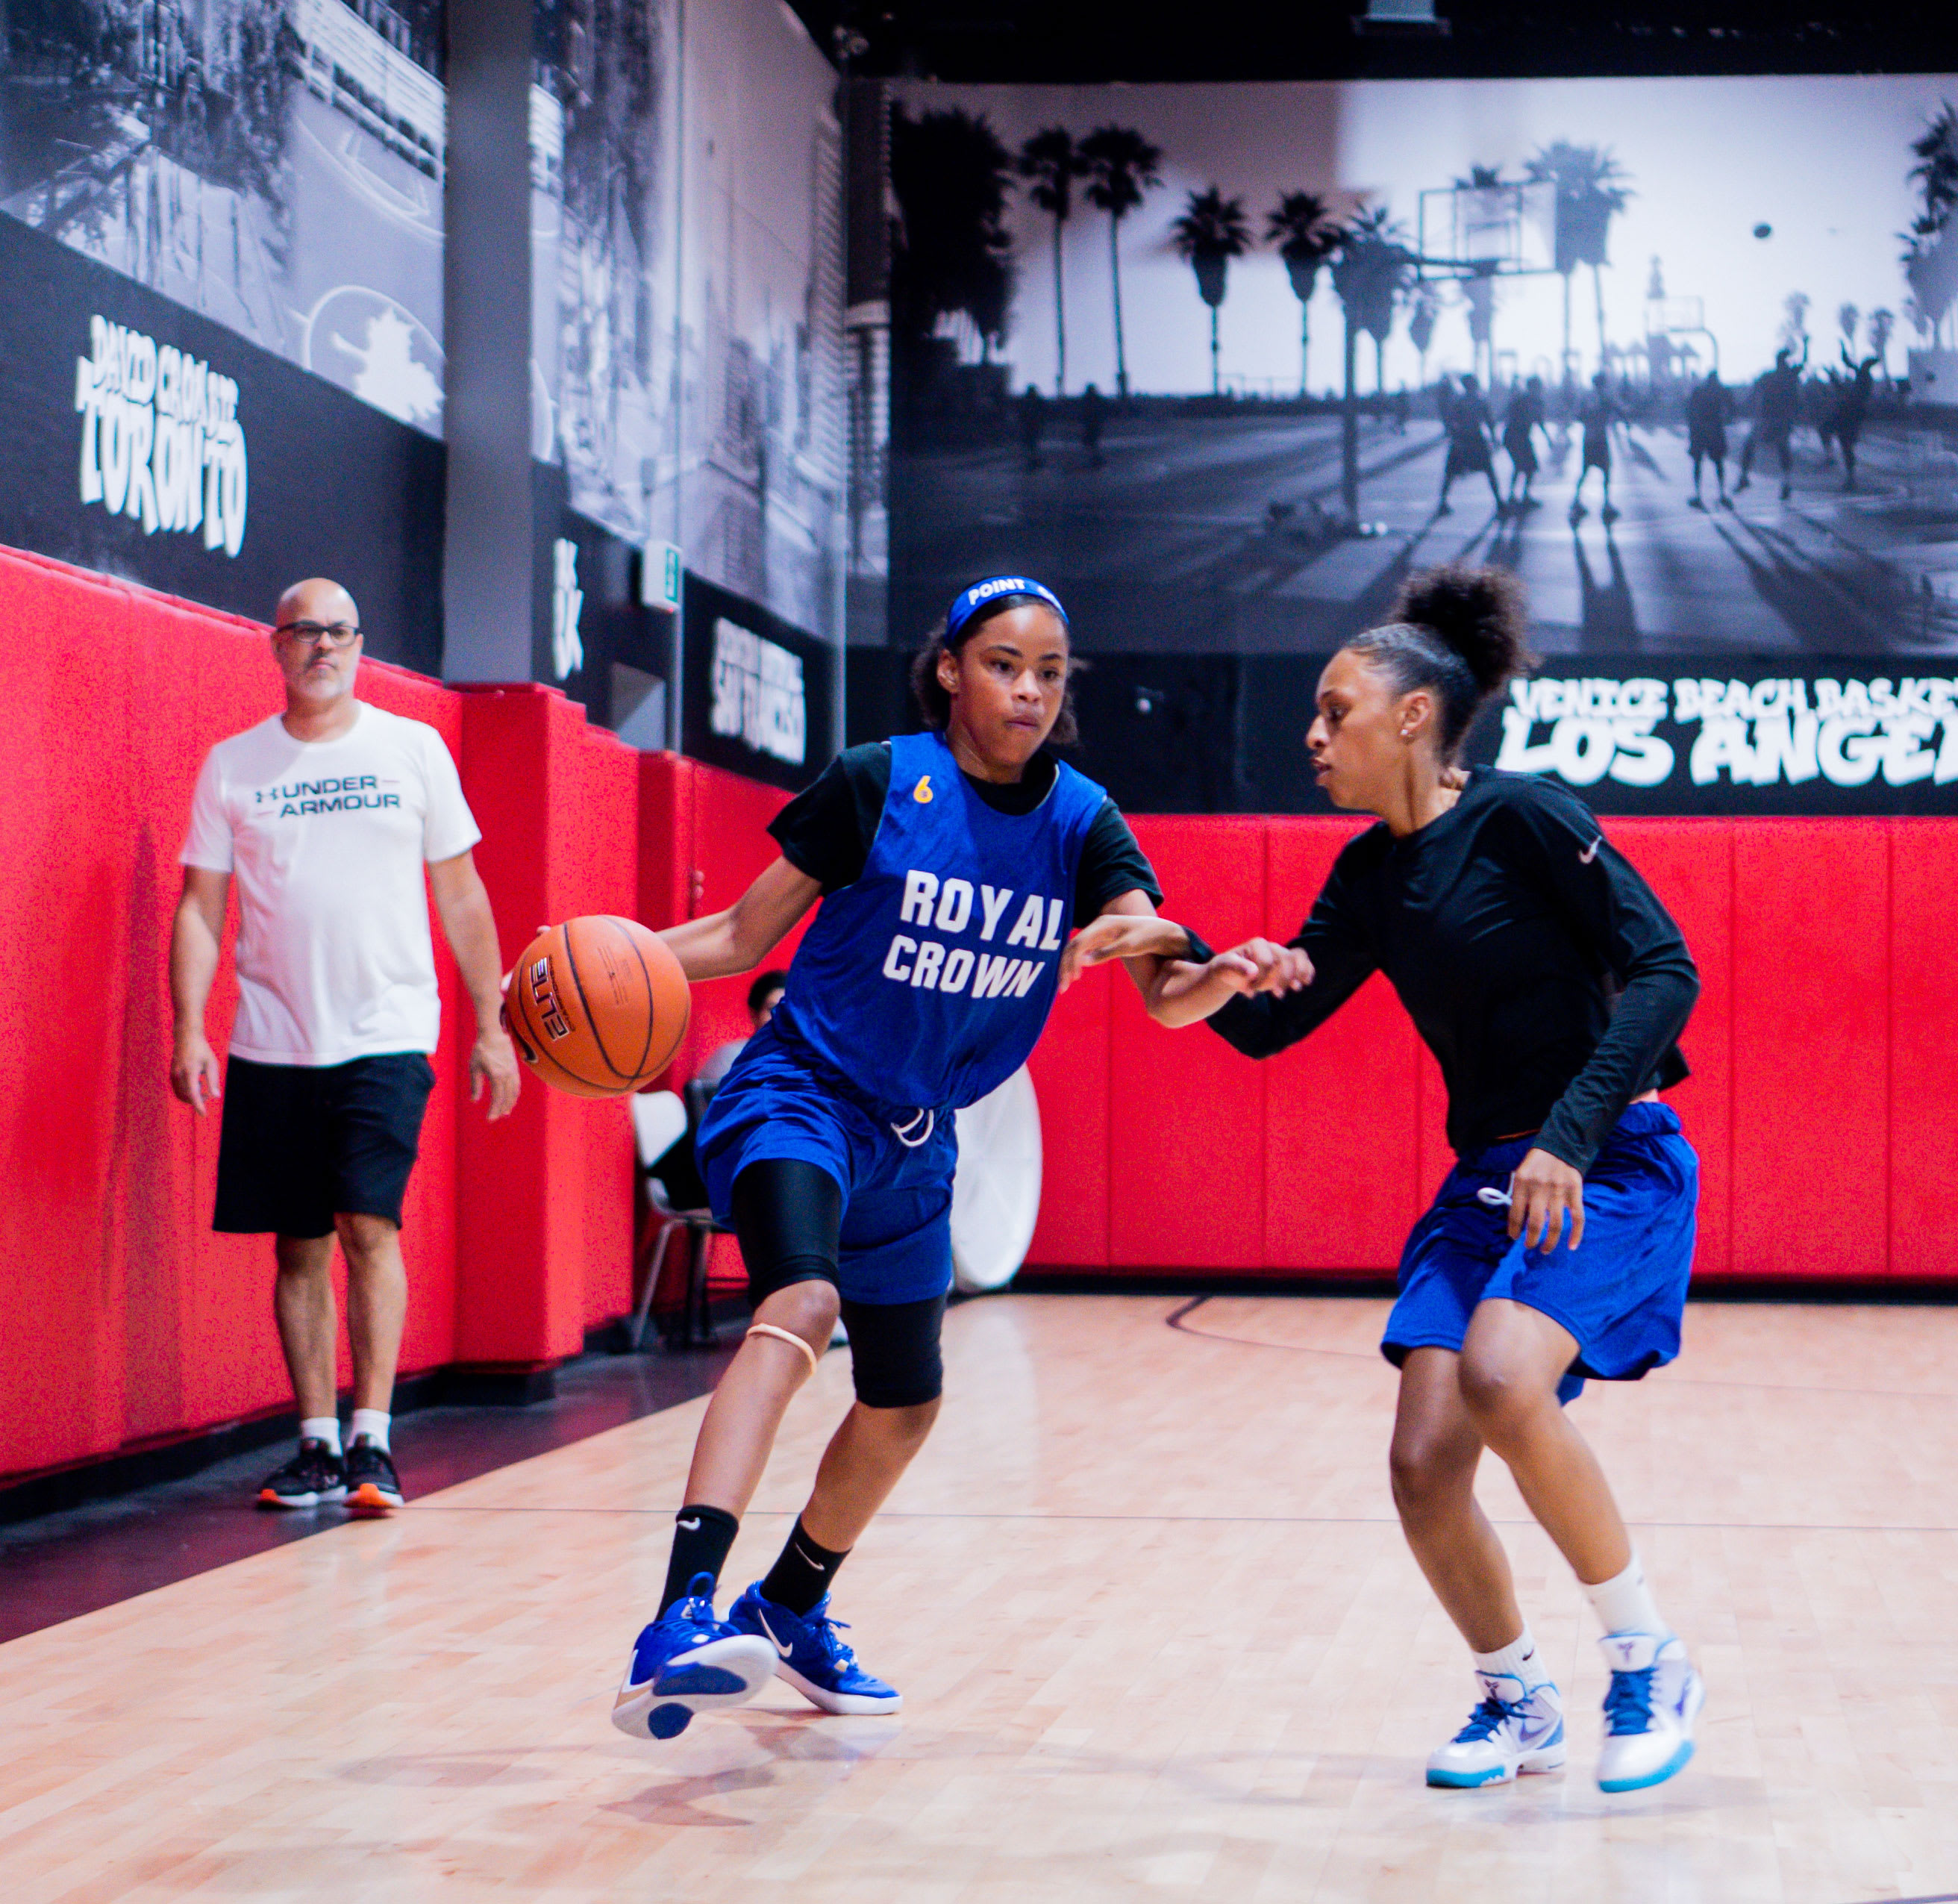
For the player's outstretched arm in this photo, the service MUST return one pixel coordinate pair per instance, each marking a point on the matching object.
(1155, 952)
(740, 938)
(1186, 993)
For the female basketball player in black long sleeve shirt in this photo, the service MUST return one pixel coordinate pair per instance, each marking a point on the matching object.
(1508, 925)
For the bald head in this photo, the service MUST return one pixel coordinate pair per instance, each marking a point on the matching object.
(316, 599)
(316, 643)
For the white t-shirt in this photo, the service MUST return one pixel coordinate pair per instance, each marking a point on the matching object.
(327, 841)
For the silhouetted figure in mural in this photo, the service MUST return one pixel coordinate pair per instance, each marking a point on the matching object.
(1596, 414)
(1471, 430)
(1402, 408)
(1708, 407)
(1777, 406)
(1033, 424)
(1521, 420)
(1094, 419)
(1852, 410)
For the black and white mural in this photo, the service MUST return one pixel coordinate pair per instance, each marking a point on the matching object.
(1224, 364)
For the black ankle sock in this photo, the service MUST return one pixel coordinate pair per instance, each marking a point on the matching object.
(702, 1537)
(804, 1573)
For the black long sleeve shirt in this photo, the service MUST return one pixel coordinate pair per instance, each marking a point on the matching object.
(1538, 966)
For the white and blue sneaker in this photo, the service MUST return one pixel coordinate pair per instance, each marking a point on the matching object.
(689, 1662)
(1655, 1697)
(1512, 1731)
(808, 1654)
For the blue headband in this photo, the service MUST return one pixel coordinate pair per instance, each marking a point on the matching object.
(968, 602)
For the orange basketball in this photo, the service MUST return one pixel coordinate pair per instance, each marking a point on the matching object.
(597, 1006)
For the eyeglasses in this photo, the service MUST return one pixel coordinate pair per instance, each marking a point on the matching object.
(331, 634)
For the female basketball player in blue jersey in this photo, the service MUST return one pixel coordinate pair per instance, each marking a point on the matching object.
(1552, 986)
(952, 865)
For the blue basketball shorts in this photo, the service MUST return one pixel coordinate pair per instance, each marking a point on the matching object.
(1620, 1294)
(896, 1239)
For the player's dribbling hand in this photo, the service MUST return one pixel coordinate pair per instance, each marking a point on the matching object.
(1260, 965)
(1544, 1193)
(494, 1061)
(194, 1074)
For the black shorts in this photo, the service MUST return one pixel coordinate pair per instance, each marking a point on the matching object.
(301, 1144)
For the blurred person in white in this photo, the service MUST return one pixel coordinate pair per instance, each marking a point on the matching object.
(327, 814)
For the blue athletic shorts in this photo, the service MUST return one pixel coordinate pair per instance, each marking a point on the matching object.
(896, 1244)
(1620, 1294)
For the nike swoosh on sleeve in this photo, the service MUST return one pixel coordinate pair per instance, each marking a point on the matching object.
(1590, 852)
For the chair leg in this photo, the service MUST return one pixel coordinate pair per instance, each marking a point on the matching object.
(700, 1315)
(636, 1329)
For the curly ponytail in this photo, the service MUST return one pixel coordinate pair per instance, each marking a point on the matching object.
(1460, 630)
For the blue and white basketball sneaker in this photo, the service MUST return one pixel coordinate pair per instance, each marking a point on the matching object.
(1655, 1698)
(1512, 1731)
(689, 1662)
(809, 1655)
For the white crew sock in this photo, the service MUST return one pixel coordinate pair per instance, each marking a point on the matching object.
(373, 1424)
(325, 1428)
(1520, 1660)
(1625, 1604)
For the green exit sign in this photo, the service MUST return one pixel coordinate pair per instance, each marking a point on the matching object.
(661, 569)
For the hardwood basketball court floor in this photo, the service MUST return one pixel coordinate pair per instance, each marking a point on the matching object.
(1156, 1628)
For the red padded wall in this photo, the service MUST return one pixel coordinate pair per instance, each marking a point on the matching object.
(559, 805)
(1342, 1113)
(66, 775)
(1187, 1113)
(1923, 1173)
(1811, 1048)
(1070, 1068)
(1689, 864)
(126, 1319)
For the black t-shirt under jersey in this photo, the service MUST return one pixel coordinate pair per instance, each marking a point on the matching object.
(1508, 926)
(826, 831)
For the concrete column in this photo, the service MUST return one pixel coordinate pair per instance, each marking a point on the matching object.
(488, 574)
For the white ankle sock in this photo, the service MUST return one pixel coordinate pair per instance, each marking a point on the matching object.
(325, 1428)
(1520, 1660)
(373, 1424)
(1625, 1604)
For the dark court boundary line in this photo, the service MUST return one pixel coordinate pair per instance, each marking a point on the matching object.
(1236, 1520)
(1174, 1320)
(1943, 1897)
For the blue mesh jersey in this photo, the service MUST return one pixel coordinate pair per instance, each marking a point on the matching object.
(926, 982)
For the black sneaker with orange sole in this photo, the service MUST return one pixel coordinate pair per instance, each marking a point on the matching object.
(372, 1486)
(314, 1477)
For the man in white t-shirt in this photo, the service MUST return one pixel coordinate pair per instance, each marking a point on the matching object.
(328, 814)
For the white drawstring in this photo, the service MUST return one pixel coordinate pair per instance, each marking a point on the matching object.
(911, 1124)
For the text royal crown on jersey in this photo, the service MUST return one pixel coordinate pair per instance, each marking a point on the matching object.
(955, 906)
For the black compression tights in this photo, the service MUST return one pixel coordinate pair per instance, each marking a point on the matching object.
(788, 1215)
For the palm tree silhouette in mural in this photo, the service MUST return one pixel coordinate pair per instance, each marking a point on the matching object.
(1307, 233)
(1051, 162)
(950, 250)
(1121, 167)
(1927, 260)
(1590, 187)
(1370, 270)
(1211, 231)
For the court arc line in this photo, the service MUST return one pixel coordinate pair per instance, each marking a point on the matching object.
(1174, 1320)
